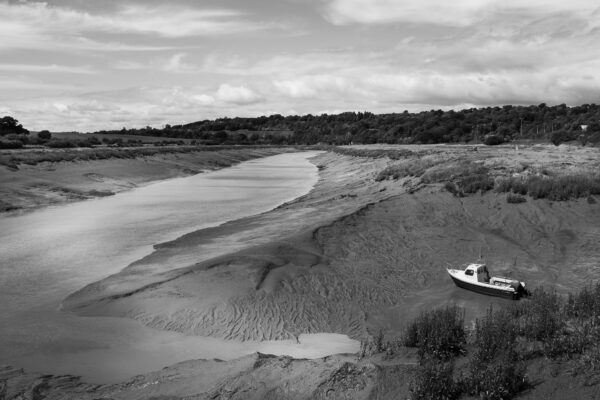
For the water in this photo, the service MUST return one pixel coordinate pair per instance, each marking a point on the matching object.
(48, 254)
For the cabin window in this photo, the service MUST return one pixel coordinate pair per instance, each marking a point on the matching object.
(469, 272)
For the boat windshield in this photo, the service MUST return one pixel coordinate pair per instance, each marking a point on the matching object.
(469, 272)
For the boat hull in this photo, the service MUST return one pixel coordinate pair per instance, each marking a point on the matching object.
(490, 291)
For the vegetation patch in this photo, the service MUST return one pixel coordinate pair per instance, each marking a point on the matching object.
(439, 333)
(556, 188)
(415, 167)
(434, 380)
(515, 198)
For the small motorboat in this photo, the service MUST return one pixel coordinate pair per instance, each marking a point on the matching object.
(476, 277)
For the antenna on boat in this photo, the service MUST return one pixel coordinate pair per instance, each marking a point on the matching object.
(480, 256)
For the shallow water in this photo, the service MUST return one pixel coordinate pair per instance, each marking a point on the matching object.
(48, 254)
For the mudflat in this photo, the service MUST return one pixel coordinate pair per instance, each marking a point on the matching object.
(364, 252)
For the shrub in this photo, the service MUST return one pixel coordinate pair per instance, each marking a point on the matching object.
(44, 135)
(584, 304)
(451, 187)
(540, 318)
(475, 183)
(439, 333)
(433, 380)
(559, 137)
(494, 370)
(515, 199)
(492, 140)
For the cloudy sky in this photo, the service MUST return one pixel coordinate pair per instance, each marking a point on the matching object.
(100, 64)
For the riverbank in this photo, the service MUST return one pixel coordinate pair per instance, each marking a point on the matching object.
(364, 252)
(35, 178)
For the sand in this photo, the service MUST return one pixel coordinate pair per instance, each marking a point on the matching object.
(354, 256)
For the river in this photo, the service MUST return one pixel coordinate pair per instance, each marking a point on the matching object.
(47, 254)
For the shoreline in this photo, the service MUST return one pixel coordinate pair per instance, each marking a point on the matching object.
(30, 187)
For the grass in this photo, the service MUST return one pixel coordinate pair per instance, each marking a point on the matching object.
(11, 159)
(555, 188)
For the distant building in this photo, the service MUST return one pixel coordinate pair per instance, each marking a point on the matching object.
(584, 128)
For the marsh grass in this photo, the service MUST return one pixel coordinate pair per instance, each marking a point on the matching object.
(555, 188)
(434, 380)
(438, 333)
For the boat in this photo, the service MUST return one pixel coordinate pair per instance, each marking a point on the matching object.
(476, 277)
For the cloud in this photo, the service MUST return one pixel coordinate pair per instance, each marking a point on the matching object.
(40, 25)
(449, 13)
(237, 94)
(295, 88)
(47, 68)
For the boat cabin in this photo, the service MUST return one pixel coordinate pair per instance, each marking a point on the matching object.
(477, 273)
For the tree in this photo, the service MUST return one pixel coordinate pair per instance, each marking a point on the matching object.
(44, 135)
(9, 125)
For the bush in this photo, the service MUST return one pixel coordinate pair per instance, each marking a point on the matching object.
(559, 137)
(439, 333)
(451, 187)
(540, 318)
(515, 199)
(494, 370)
(499, 380)
(493, 140)
(475, 183)
(433, 380)
(584, 304)
(44, 135)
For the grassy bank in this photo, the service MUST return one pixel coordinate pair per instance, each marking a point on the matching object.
(12, 158)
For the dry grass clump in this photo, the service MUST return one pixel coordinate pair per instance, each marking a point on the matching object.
(556, 188)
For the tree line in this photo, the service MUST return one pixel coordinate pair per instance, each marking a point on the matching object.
(491, 125)
(435, 126)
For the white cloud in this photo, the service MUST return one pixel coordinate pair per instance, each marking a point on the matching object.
(439, 12)
(40, 25)
(295, 88)
(237, 94)
(47, 68)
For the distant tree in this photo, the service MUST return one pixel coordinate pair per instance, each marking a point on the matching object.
(44, 135)
(10, 125)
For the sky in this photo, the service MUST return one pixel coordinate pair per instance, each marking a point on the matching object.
(88, 65)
